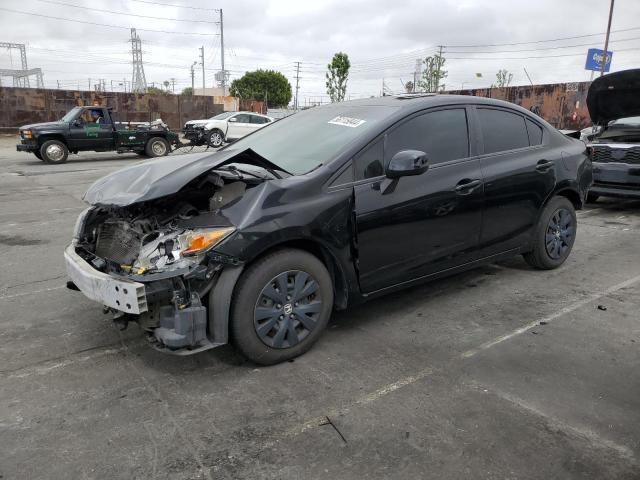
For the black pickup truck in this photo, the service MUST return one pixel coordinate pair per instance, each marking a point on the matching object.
(94, 129)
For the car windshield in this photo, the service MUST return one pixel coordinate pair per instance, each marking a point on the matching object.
(303, 141)
(222, 116)
(631, 121)
(71, 114)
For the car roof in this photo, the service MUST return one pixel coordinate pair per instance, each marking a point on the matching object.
(419, 101)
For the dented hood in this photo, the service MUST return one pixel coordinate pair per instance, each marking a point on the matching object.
(161, 177)
(614, 96)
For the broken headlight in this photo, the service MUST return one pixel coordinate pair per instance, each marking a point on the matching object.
(169, 251)
(80, 222)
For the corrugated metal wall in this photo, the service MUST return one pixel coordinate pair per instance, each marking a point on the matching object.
(563, 105)
(21, 106)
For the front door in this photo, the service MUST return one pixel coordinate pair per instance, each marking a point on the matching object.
(418, 225)
(239, 126)
(91, 130)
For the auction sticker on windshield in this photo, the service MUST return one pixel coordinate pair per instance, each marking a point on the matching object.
(346, 121)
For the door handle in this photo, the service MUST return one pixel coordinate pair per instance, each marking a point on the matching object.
(544, 165)
(466, 186)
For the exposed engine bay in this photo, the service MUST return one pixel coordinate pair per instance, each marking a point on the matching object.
(165, 243)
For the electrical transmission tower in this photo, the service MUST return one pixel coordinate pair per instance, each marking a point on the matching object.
(21, 77)
(138, 80)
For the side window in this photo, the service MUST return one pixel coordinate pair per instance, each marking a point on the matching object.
(502, 130)
(242, 118)
(535, 133)
(257, 119)
(442, 135)
(369, 162)
(344, 178)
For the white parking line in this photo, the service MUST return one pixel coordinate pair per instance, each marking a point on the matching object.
(553, 316)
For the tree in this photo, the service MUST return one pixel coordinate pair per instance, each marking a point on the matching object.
(433, 73)
(156, 91)
(337, 75)
(187, 92)
(503, 78)
(408, 87)
(263, 85)
(166, 84)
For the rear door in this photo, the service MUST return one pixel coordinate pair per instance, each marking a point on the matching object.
(258, 121)
(418, 225)
(519, 173)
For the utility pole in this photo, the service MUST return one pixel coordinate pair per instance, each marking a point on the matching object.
(606, 40)
(173, 85)
(439, 66)
(193, 77)
(416, 74)
(202, 61)
(224, 76)
(58, 84)
(295, 103)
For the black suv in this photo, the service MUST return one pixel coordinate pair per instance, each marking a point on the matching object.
(614, 105)
(259, 242)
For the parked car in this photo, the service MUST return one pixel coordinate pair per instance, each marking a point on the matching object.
(226, 127)
(614, 105)
(338, 204)
(94, 129)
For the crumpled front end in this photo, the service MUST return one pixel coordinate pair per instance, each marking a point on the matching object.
(155, 262)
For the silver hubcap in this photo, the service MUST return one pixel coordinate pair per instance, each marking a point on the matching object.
(158, 148)
(216, 139)
(55, 152)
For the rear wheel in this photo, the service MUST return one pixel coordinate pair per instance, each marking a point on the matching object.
(157, 147)
(554, 235)
(54, 151)
(281, 306)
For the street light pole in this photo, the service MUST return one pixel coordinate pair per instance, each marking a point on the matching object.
(606, 40)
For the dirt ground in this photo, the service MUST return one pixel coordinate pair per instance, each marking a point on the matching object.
(502, 372)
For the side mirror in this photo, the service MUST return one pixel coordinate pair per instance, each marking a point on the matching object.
(233, 119)
(407, 162)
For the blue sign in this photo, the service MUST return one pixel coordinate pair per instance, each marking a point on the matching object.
(594, 60)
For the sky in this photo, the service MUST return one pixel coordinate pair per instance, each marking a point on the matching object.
(383, 40)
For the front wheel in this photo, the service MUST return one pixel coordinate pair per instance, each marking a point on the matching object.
(54, 151)
(215, 138)
(157, 147)
(554, 235)
(281, 306)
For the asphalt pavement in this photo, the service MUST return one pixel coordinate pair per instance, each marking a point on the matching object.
(503, 372)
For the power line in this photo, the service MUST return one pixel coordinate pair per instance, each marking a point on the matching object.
(526, 58)
(174, 5)
(544, 41)
(104, 24)
(539, 49)
(122, 13)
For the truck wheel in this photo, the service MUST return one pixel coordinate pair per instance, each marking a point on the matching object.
(54, 151)
(37, 154)
(157, 147)
(554, 235)
(215, 138)
(281, 306)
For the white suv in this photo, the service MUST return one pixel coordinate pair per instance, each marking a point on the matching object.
(225, 127)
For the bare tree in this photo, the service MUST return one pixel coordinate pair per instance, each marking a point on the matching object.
(503, 78)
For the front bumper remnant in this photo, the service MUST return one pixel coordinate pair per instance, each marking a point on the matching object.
(123, 295)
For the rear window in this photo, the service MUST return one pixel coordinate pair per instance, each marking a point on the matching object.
(535, 133)
(502, 130)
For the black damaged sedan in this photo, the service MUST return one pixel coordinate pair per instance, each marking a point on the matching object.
(259, 242)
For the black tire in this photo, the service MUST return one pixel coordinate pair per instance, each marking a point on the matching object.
(157, 147)
(54, 151)
(38, 155)
(592, 197)
(554, 235)
(215, 138)
(257, 293)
